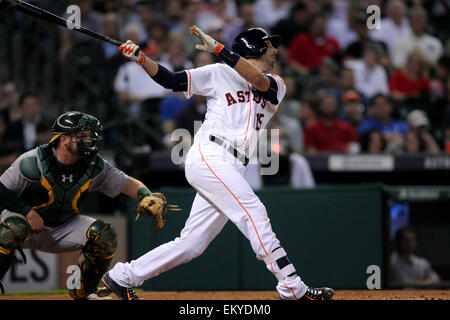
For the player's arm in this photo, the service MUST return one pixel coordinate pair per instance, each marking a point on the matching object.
(12, 202)
(135, 189)
(177, 81)
(150, 204)
(267, 86)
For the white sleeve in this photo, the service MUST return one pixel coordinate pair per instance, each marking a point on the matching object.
(201, 81)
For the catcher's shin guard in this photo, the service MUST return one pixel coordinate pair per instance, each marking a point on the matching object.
(95, 258)
(5, 263)
(13, 231)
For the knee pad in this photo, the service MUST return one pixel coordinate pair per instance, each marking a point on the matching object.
(102, 240)
(278, 263)
(96, 257)
(13, 231)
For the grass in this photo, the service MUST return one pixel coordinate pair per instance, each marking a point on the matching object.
(45, 292)
(35, 293)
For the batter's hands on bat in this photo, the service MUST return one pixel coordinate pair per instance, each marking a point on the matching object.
(131, 51)
(35, 221)
(209, 44)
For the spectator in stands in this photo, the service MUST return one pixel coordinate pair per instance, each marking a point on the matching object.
(175, 55)
(446, 121)
(370, 77)
(172, 105)
(326, 79)
(419, 123)
(211, 10)
(354, 50)
(111, 59)
(373, 142)
(190, 11)
(328, 133)
(394, 25)
(174, 13)
(430, 46)
(405, 268)
(193, 113)
(438, 82)
(342, 27)
(245, 20)
(287, 117)
(352, 111)
(132, 83)
(306, 112)
(296, 22)
(269, 12)
(90, 19)
(24, 130)
(44, 133)
(158, 38)
(411, 81)
(110, 28)
(9, 102)
(307, 50)
(215, 28)
(300, 175)
(346, 83)
(9, 150)
(380, 118)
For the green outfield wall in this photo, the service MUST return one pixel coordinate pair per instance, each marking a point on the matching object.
(331, 234)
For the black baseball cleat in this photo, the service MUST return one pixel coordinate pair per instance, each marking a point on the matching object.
(317, 294)
(122, 293)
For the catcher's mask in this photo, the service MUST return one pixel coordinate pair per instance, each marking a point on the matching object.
(85, 130)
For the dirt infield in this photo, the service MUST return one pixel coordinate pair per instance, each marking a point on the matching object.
(265, 295)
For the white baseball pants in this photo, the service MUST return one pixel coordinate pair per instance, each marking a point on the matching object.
(222, 194)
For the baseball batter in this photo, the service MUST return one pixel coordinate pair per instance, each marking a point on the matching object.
(241, 99)
(43, 193)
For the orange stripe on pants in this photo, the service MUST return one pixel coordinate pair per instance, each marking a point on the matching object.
(248, 214)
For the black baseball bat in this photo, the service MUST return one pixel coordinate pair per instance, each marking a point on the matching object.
(37, 12)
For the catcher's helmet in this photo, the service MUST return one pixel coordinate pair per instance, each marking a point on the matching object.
(251, 44)
(73, 122)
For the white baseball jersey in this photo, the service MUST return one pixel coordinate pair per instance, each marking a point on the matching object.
(235, 111)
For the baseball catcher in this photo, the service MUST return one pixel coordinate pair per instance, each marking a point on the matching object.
(43, 192)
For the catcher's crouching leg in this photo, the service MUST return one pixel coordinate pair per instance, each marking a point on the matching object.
(95, 259)
(13, 231)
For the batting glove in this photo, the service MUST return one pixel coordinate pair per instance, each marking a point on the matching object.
(209, 44)
(131, 51)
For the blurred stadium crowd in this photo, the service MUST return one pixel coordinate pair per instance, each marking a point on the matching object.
(350, 89)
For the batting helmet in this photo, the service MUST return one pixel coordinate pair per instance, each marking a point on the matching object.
(73, 122)
(251, 43)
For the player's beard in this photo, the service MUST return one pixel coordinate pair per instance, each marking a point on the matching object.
(72, 148)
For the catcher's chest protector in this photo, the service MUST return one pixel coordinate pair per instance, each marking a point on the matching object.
(61, 190)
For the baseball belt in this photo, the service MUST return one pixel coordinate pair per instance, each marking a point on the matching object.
(242, 158)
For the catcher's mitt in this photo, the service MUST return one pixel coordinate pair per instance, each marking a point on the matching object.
(154, 205)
